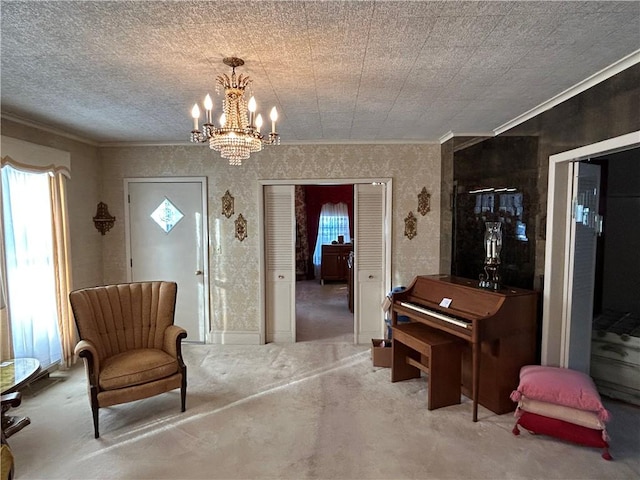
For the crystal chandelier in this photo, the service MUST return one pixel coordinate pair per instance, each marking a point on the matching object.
(239, 132)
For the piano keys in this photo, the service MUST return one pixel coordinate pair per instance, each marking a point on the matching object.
(498, 327)
(425, 311)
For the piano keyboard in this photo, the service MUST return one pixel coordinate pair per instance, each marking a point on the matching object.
(418, 308)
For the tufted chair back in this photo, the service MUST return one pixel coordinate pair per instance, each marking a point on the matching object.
(118, 318)
(130, 346)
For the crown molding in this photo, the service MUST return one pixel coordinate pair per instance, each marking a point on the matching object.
(289, 143)
(48, 129)
(360, 142)
(598, 77)
(185, 143)
(470, 142)
(446, 137)
(449, 135)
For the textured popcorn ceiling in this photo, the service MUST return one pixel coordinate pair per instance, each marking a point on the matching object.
(358, 71)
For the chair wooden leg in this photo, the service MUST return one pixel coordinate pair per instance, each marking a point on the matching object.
(94, 410)
(183, 389)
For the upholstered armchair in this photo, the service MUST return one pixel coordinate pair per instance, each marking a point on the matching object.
(130, 346)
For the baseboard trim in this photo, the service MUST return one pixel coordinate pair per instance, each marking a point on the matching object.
(364, 338)
(223, 337)
(280, 337)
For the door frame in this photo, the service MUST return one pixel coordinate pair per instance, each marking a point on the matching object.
(205, 234)
(556, 292)
(388, 222)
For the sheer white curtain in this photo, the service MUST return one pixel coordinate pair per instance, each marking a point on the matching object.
(334, 221)
(30, 265)
(6, 348)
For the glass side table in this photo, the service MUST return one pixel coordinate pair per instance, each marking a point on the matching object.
(14, 374)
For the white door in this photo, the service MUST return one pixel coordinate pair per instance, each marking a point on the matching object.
(585, 225)
(369, 261)
(167, 240)
(280, 275)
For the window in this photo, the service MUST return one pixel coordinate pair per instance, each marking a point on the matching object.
(29, 251)
(334, 222)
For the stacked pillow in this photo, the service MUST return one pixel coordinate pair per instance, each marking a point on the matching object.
(562, 403)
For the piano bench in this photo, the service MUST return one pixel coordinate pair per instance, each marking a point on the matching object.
(417, 347)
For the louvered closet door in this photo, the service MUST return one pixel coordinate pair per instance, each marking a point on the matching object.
(280, 263)
(369, 261)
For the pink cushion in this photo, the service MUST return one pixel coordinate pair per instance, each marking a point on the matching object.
(560, 386)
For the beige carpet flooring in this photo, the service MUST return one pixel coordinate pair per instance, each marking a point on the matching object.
(316, 409)
(322, 313)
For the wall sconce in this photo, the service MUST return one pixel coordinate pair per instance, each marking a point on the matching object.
(424, 202)
(410, 226)
(103, 219)
(227, 204)
(241, 227)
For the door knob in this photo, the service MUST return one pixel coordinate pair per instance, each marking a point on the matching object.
(199, 272)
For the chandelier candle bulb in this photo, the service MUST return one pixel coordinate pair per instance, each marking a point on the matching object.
(252, 111)
(195, 114)
(208, 106)
(274, 117)
(259, 122)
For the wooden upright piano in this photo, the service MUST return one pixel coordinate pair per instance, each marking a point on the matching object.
(499, 328)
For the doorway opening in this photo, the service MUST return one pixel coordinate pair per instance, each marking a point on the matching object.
(324, 263)
(280, 272)
(557, 294)
(615, 333)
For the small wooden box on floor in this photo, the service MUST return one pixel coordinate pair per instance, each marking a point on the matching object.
(417, 347)
(380, 354)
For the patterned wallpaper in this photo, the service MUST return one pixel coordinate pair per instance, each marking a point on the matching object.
(302, 242)
(234, 266)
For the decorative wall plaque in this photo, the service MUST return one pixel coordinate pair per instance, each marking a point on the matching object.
(241, 227)
(227, 204)
(410, 226)
(424, 202)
